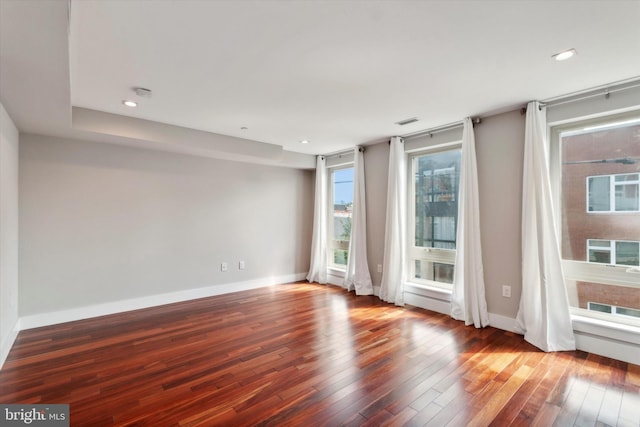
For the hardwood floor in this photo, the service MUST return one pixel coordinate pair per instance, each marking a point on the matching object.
(309, 355)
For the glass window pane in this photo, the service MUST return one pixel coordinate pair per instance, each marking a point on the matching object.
(603, 308)
(340, 257)
(600, 223)
(628, 253)
(435, 271)
(342, 207)
(436, 182)
(599, 197)
(600, 255)
(628, 311)
(627, 177)
(599, 243)
(627, 197)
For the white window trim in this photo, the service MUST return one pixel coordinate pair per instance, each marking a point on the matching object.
(439, 255)
(612, 193)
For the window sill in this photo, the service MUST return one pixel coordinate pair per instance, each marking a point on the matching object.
(606, 329)
(334, 271)
(429, 291)
(335, 276)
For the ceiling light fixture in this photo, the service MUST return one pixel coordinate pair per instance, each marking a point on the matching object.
(561, 56)
(407, 121)
(304, 141)
(143, 92)
(130, 103)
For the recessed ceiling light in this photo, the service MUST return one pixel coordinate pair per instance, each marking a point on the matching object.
(304, 141)
(561, 56)
(130, 103)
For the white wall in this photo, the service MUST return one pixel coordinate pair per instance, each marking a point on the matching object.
(101, 223)
(8, 233)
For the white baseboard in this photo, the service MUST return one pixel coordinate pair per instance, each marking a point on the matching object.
(593, 336)
(7, 343)
(502, 322)
(86, 312)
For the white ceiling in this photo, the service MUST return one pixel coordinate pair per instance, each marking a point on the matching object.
(337, 73)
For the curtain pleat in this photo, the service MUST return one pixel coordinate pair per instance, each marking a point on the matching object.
(544, 316)
(318, 265)
(468, 302)
(357, 276)
(393, 274)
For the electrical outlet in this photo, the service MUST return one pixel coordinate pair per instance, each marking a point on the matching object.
(241, 265)
(224, 266)
(379, 268)
(506, 291)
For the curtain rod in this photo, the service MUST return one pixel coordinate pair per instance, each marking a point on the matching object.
(439, 129)
(342, 153)
(592, 93)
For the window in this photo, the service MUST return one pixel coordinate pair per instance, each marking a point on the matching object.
(340, 217)
(597, 166)
(613, 252)
(613, 309)
(434, 215)
(614, 193)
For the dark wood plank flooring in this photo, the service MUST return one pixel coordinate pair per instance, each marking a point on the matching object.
(309, 355)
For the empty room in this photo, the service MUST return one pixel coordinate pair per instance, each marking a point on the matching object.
(319, 213)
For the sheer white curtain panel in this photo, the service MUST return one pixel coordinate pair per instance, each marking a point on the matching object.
(544, 316)
(318, 265)
(468, 302)
(357, 276)
(394, 270)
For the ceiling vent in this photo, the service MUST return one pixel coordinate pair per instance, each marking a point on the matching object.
(407, 121)
(140, 91)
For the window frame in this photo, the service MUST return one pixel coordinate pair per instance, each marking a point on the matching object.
(331, 265)
(585, 271)
(429, 254)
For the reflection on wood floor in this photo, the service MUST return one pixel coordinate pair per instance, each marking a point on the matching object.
(310, 355)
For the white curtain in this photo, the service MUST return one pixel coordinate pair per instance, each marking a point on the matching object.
(468, 301)
(393, 273)
(318, 267)
(543, 316)
(357, 274)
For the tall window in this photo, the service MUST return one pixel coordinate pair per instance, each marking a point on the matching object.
(598, 165)
(434, 214)
(340, 218)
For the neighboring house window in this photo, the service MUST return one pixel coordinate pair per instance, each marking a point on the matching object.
(600, 221)
(615, 252)
(434, 215)
(340, 217)
(614, 193)
(613, 309)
